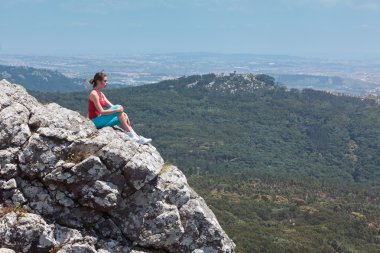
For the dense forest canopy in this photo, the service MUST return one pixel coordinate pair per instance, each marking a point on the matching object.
(285, 170)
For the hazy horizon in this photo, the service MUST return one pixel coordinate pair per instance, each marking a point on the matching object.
(345, 29)
(123, 55)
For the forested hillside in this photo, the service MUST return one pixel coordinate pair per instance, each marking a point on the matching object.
(284, 170)
(41, 79)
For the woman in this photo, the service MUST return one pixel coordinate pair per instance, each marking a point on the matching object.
(112, 116)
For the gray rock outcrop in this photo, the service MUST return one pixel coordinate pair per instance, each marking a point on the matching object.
(69, 187)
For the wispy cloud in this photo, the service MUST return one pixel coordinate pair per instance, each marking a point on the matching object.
(130, 4)
(79, 24)
(108, 6)
(362, 4)
(17, 3)
(104, 5)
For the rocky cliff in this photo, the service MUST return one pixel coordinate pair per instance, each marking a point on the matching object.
(67, 187)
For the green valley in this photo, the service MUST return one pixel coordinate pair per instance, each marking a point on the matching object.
(284, 170)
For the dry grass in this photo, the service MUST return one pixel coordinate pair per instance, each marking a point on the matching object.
(18, 209)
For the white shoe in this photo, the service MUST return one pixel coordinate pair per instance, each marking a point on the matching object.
(144, 140)
(132, 137)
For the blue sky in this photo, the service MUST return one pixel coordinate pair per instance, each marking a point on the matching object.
(333, 28)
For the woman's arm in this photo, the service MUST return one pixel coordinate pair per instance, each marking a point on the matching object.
(95, 98)
(107, 102)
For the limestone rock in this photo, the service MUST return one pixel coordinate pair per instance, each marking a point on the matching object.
(69, 187)
(26, 232)
(5, 250)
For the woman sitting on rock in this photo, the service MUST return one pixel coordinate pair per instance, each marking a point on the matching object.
(111, 116)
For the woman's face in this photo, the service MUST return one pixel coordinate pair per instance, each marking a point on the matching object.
(102, 84)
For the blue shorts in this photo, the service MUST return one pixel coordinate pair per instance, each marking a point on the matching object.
(107, 120)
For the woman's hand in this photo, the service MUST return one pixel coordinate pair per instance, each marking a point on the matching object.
(120, 108)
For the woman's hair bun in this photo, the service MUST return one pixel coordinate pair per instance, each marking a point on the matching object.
(99, 76)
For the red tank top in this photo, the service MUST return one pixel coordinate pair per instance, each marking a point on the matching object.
(92, 111)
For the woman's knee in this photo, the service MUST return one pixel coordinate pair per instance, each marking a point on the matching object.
(115, 107)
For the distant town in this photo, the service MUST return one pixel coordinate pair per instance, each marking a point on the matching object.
(355, 77)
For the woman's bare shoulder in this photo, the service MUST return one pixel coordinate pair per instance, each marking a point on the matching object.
(93, 94)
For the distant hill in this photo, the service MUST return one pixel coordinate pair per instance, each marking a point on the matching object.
(310, 80)
(297, 132)
(41, 79)
(285, 170)
(335, 84)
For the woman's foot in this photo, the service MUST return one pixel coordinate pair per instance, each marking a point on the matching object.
(144, 140)
(139, 139)
(132, 137)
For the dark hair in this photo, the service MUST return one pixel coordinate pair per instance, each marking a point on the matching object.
(98, 76)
